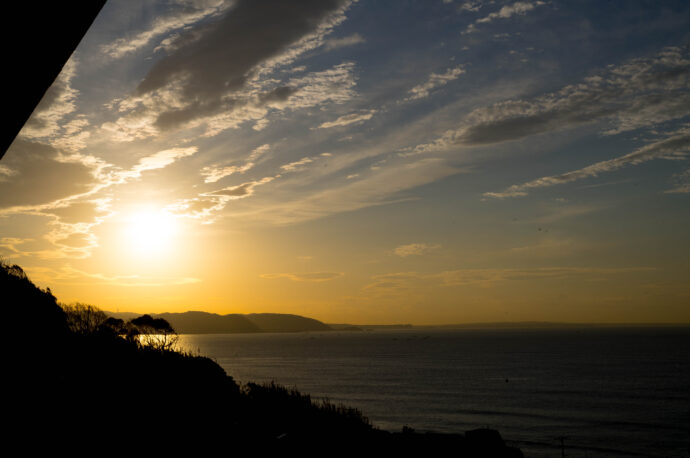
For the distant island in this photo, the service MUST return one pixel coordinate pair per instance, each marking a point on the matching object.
(213, 323)
(196, 322)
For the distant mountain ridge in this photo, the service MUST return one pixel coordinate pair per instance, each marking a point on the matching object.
(194, 322)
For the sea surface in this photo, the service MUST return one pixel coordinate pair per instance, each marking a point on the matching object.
(607, 391)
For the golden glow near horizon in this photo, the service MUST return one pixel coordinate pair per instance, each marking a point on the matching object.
(455, 164)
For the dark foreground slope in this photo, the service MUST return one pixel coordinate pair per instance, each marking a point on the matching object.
(92, 391)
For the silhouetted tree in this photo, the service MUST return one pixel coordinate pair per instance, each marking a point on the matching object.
(152, 332)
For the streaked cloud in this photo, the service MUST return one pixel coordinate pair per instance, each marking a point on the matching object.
(162, 159)
(6, 172)
(184, 14)
(485, 278)
(335, 43)
(305, 277)
(166, 109)
(636, 94)
(471, 5)
(240, 191)
(642, 92)
(681, 183)
(214, 69)
(72, 276)
(378, 187)
(415, 249)
(435, 81)
(346, 120)
(506, 11)
(675, 146)
(57, 103)
(296, 165)
(215, 173)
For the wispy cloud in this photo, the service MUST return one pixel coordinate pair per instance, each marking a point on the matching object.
(57, 103)
(675, 146)
(682, 183)
(222, 84)
(335, 43)
(435, 81)
(185, 15)
(640, 93)
(305, 277)
(415, 249)
(296, 165)
(146, 115)
(346, 120)
(506, 11)
(6, 172)
(471, 5)
(240, 191)
(378, 187)
(485, 278)
(72, 276)
(215, 173)
(162, 159)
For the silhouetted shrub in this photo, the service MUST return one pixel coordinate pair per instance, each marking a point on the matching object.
(84, 318)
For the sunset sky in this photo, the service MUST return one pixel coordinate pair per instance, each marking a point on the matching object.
(425, 162)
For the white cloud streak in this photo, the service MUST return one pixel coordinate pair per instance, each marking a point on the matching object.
(414, 249)
(346, 120)
(350, 40)
(190, 14)
(435, 81)
(507, 11)
(675, 146)
(215, 173)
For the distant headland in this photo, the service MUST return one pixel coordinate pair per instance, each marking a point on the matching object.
(195, 322)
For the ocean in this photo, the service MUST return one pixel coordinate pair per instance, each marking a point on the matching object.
(596, 391)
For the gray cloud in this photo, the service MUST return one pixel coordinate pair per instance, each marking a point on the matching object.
(183, 14)
(640, 93)
(39, 176)
(214, 72)
(165, 109)
(221, 56)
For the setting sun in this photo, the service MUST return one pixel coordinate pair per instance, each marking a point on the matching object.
(150, 231)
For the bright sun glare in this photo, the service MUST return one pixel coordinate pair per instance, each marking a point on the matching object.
(150, 231)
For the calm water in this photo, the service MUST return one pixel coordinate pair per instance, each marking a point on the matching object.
(608, 391)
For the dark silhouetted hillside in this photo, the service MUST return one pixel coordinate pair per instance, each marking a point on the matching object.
(81, 383)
